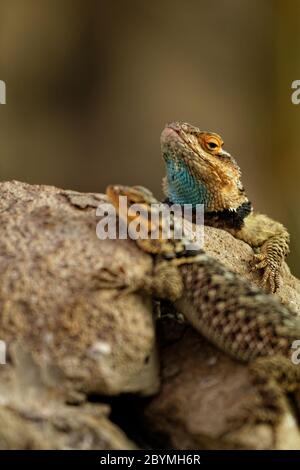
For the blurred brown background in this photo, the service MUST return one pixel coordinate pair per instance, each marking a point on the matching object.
(90, 85)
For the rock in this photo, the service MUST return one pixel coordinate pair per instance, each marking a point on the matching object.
(52, 299)
(236, 255)
(33, 415)
(203, 390)
(76, 322)
(60, 427)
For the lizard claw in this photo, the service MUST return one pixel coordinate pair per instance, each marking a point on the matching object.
(109, 279)
(271, 275)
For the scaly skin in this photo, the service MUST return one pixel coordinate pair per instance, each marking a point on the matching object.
(240, 319)
(199, 171)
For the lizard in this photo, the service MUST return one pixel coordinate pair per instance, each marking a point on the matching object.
(239, 318)
(200, 171)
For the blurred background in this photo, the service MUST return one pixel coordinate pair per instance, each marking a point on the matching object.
(90, 85)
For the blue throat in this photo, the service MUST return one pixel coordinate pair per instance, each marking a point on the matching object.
(183, 187)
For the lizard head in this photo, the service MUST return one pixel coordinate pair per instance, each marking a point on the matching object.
(137, 202)
(134, 195)
(156, 226)
(199, 170)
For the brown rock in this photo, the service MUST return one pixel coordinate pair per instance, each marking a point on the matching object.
(58, 426)
(52, 299)
(75, 322)
(203, 391)
(202, 388)
(236, 255)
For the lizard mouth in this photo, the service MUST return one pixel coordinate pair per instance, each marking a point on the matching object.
(170, 130)
(175, 141)
(175, 136)
(170, 137)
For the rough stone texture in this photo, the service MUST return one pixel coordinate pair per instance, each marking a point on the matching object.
(60, 427)
(33, 415)
(202, 390)
(236, 255)
(76, 322)
(51, 297)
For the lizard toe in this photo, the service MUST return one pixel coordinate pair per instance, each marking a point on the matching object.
(271, 276)
(258, 261)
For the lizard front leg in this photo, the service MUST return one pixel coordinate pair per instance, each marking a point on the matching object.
(272, 240)
(165, 282)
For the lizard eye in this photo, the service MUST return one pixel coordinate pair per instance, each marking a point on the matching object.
(212, 142)
(212, 145)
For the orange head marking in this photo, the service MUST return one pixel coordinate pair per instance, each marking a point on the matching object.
(211, 142)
